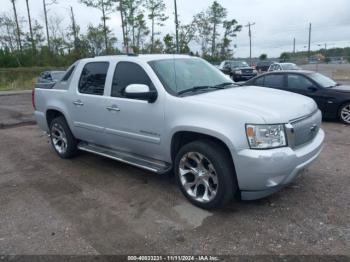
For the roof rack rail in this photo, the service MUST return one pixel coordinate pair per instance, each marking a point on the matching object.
(120, 54)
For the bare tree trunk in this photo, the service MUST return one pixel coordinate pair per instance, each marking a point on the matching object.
(138, 39)
(30, 28)
(104, 26)
(152, 36)
(12, 49)
(16, 20)
(75, 34)
(123, 25)
(213, 40)
(47, 26)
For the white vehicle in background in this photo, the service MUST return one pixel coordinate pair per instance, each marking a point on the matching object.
(283, 67)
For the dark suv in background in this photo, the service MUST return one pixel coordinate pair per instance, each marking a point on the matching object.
(238, 70)
(263, 66)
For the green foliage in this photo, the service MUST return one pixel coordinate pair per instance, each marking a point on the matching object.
(217, 14)
(231, 28)
(94, 41)
(106, 7)
(156, 9)
(211, 28)
(332, 52)
(170, 46)
(263, 57)
(285, 57)
(21, 78)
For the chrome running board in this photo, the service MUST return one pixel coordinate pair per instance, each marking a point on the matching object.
(149, 164)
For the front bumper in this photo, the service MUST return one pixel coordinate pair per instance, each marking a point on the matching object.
(244, 77)
(263, 172)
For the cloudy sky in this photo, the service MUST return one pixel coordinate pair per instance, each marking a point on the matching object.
(277, 21)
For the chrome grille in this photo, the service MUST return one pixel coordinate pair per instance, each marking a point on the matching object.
(305, 129)
(247, 71)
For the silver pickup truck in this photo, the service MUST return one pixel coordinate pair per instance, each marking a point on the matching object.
(175, 113)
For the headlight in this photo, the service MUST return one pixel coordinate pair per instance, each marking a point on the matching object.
(266, 136)
(255, 72)
(238, 72)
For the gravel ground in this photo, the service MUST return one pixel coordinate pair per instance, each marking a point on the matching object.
(15, 109)
(93, 205)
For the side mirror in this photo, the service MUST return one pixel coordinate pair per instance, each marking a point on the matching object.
(312, 89)
(141, 92)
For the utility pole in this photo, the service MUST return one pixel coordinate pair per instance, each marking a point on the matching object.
(47, 27)
(294, 45)
(30, 28)
(250, 41)
(17, 26)
(74, 28)
(126, 44)
(176, 28)
(309, 47)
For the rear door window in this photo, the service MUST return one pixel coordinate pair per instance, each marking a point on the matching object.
(68, 74)
(93, 78)
(274, 81)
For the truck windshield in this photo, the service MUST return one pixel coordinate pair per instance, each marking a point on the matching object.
(181, 74)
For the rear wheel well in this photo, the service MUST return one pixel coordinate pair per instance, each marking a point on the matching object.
(51, 115)
(184, 137)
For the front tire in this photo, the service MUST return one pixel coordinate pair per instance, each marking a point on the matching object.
(344, 113)
(62, 139)
(205, 174)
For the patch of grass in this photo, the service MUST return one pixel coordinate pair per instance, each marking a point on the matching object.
(13, 79)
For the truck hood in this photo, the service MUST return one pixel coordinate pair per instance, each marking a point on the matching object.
(273, 106)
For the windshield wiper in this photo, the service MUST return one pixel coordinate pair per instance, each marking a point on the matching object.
(198, 88)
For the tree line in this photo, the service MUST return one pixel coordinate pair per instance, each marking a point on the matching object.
(25, 41)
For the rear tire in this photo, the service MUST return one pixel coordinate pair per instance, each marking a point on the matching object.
(344, 113)
(205, 174)
(62, 139)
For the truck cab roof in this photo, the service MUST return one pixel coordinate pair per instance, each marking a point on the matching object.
(136, 58)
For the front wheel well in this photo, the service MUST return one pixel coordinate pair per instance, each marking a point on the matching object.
(51, 114)
(182, 138)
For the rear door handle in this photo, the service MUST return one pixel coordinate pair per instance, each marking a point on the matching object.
(78, 103)
(113, 108)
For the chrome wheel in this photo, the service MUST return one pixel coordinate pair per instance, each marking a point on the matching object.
(198, 177)
(345, 114)
(59, 138)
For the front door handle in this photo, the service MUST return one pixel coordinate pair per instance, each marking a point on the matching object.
(78, 103)
(113, 108)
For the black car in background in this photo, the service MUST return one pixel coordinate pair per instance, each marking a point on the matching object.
(48, 78)
(332, 98)
(263, 66)
(238, 70)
